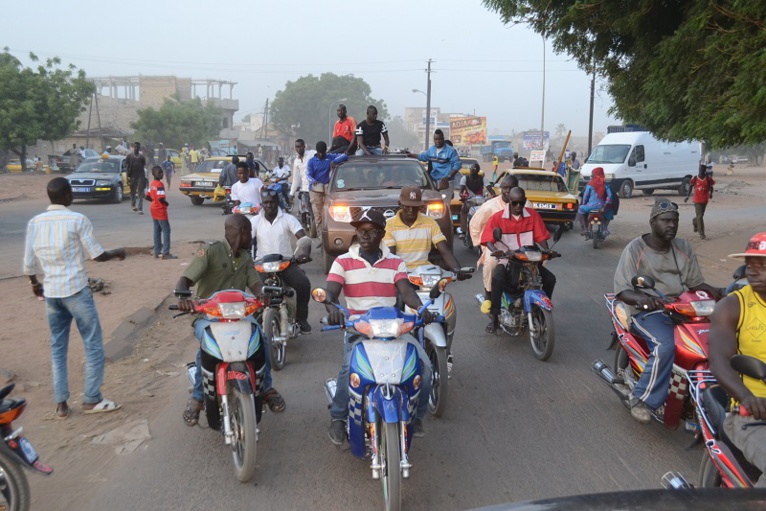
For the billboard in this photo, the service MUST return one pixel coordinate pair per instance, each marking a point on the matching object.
(532, 140)
(468, 130)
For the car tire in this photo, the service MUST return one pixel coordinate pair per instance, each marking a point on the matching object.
(117, 194)
(197, 201)
(683, 188)
(626, 189)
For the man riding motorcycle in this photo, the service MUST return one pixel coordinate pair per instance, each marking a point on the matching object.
(673, 265)
(737, 326)
(370, 276)
(272, 232)
(520, 226)
(470, 186)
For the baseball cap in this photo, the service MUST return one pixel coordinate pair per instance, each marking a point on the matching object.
(755, 248)
(411, 196)
(369, 215)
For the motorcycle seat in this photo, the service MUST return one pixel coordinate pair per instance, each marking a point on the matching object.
(10, 404)
(6, 390)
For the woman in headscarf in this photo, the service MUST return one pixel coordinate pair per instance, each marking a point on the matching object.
(597, 196)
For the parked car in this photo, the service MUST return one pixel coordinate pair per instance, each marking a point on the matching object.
(61, 162)
(375, 182)
(101, 178)
(548, 194)
(201, 184)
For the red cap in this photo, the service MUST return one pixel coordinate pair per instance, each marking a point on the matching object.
(755, 248)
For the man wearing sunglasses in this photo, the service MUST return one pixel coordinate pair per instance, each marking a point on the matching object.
(673, 265)
(370, 276)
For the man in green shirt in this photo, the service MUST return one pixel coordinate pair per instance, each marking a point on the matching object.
(219, 265)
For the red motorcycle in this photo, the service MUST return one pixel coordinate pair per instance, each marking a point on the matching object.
(690, 312)
(15, 452)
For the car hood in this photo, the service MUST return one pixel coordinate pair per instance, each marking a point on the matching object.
(377, 197)
(94, 175)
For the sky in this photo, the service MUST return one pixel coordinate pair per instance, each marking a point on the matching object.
(480, 65)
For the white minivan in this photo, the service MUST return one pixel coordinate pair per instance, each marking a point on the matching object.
(636, 160)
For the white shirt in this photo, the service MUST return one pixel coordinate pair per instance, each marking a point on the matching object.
(274, 237)
(58, 240)
(300, 177)
(249, 191)
(281, 173)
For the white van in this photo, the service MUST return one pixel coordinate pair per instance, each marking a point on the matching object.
(636, 160)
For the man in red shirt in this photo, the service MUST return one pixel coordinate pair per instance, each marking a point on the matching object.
(343, 134)
(702, 184)
(520, 227)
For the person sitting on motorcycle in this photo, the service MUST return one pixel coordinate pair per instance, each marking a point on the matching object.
(673, 265)
(220, 265)
(370, 276)
(272, 232)
(470, 186)
(597, 197)
(280, 175)
(521, 226)
(737, 326)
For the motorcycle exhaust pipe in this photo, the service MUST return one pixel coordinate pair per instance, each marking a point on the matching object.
(605, 372)
(675, 481)
(329, 388)
(191, 371)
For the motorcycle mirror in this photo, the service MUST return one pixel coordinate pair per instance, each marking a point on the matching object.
(749, 366)
(557, 232)
(642, 282)
(438, 289)
(497, 233)
(321, 295)
(739, 273)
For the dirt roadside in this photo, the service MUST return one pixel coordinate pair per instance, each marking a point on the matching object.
(143, 381)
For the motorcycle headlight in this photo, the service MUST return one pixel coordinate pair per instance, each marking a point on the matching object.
(102, 182)
(533, 256)
(271, 266)
(703, 307)
(382, 328)
(430, 279)
(235, 310)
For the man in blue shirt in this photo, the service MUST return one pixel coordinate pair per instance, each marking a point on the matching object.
(318, 172)
(445, 162)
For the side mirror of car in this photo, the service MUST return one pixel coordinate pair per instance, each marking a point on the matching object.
(749, 366)
(497, 233)
(631, 162)
(642, 282)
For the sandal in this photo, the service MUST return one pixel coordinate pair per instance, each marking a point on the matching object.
(272, 398)
(191, 414)
(62, 410)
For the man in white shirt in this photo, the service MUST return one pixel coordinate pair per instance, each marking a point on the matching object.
(280, 175)
(247, 189)
(273, 231)
(301, 161)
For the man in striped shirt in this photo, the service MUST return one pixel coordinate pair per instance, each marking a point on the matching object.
(58, 240)
(370, 276)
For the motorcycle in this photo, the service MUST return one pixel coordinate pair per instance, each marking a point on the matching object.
(233, 389)
(278, 318)
(724, 465)
(595, 228)
(472, 205)
(384, 385)
(690, 312)
(436, 337)
(306, 215)
(16, 452)
(530, 308)
(246, 208)
(227, 204)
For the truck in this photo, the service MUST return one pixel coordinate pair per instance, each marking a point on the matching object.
(500, 148)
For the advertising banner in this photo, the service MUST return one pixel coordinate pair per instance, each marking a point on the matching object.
(468, 130)
(532, 140)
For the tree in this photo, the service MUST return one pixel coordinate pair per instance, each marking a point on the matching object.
(683, 70)
(306, 107)
(400, 136)
(178, 122)
(39, 104)
(560, 131)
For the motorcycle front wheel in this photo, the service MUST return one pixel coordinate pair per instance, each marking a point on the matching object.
(277, 349)
(243, 424)
(709, 477)
(542, 334)
(391, 475)
(14, 488)
(437, 399)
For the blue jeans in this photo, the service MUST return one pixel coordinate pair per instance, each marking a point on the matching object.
(374, 150)
(339, 407)
(658, 330)
(161, 229)
(80, 307)
(197, 389)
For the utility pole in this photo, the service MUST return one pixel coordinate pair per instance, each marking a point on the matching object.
(87, 130)
(542, 120)
(590, 117)
(428, 104)
(98, 118)
(265, 131)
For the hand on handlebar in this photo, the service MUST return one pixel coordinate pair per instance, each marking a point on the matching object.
(462, 275)
(185, 304)
(499, 254)
(755, 406)
(649, 303)
(300, 259)
(336, 317)
(428, 317)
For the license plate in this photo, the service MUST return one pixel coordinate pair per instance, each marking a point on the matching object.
(80, 189)
(544, 205)
(204, 183)
(29, 452)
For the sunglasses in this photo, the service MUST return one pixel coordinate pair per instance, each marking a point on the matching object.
(518, 202)
(269, 193)
(368, 234)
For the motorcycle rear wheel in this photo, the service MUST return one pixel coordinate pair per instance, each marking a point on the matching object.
(271, 328)
(14, 488)
(621, 364)
(243, 424)
(709, 477)
(596, 239)
(437, 399)
(391, 475)
(542, 343)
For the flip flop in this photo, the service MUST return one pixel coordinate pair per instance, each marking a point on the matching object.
(62, 410)
(103, 406)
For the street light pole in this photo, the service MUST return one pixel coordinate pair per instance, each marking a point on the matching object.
(329, 120)
(428, 105)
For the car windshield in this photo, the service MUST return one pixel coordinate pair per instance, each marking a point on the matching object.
(215, 166)
(609, 154)
(541, 183)
(466, 164)
(104, 166)
(358, 174)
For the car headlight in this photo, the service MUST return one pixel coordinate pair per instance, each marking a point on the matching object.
(435, 210)
(608, 177)
(103, 182)
(340, 213)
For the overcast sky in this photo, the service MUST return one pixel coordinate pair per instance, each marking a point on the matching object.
(480, 65)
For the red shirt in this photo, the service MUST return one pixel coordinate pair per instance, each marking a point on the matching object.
(527, 230)
(702, 188)
(345, 128)
(156, 192)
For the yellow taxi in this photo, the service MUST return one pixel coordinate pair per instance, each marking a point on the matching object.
(548, 194)
(201, 184)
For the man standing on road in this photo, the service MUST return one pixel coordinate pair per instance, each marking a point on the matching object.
(369, 133)
(229, 173)
(194, 159)
(444, 160)
(673, 265)
(702, 184)
(136, 163)
(318, 172)
(737, 326)
(74, 157)
(220, 265)
(247, 189)
(58, 240)
(343, 133)
(300, 173)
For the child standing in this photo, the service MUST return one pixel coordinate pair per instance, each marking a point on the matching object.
(159, 210)
(702, 184)
(168, 167)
